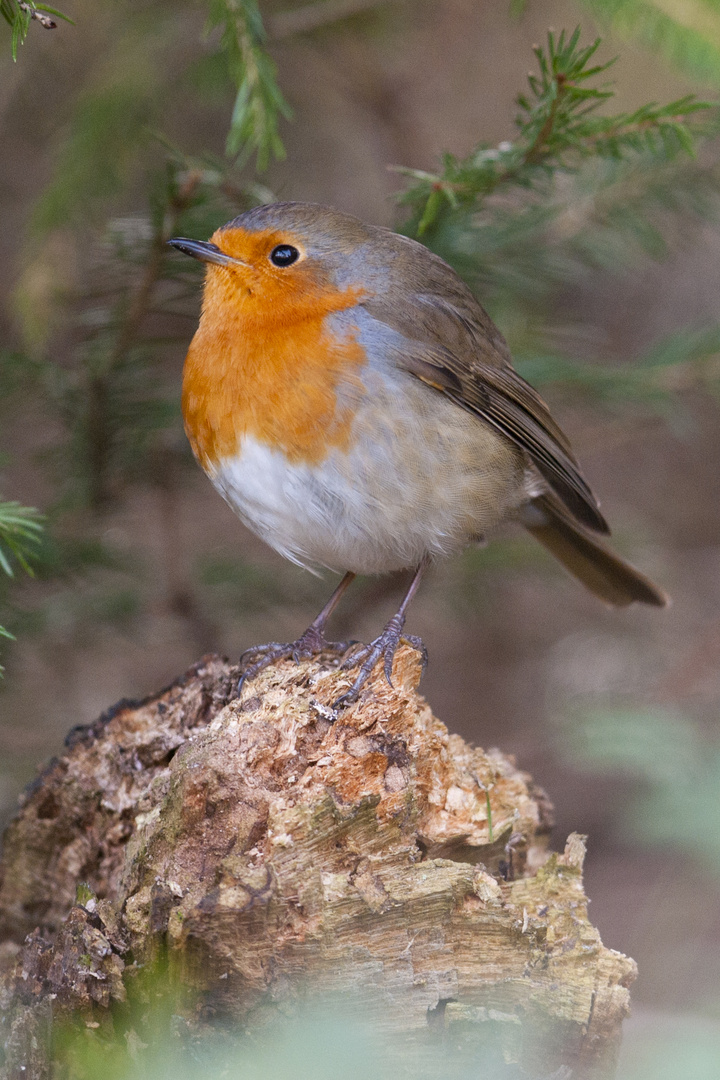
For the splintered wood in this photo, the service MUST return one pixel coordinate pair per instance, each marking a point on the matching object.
(274, 853)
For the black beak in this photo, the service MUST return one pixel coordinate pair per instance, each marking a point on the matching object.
(204, 251)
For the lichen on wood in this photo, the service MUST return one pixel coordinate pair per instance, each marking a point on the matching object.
(274, 852)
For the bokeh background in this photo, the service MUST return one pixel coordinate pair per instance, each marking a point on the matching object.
(611, 306)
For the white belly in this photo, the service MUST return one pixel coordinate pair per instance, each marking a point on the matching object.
(427, 482)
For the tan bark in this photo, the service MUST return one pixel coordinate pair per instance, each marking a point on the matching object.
(279, 854)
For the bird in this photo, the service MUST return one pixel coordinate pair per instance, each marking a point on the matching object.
(358, 409)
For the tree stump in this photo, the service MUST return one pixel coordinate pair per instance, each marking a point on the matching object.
(272, 854)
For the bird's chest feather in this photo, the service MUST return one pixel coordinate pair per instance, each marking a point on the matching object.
(283, 375)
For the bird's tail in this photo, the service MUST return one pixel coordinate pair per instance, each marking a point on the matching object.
(600, 570)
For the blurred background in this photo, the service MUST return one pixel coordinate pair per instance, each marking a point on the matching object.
(598, 257)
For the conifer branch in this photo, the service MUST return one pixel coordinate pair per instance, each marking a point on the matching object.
(100, 426)
(557, 129)
(20, 531)
(259, 103)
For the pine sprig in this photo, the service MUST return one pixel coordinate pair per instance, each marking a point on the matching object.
(557, 122)
(259, 103)
(20, 531)
(20, 13)
(557, 127)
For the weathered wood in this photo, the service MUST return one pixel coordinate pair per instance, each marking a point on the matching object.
(276, 855)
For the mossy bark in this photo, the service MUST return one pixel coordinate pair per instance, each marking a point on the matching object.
(273, 853)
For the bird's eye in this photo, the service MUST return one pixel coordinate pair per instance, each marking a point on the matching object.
(284, 255)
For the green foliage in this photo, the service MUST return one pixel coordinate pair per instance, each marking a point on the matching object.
(106, 384)
(678, 769)
(110, 141)
(117, 410)
(686, 34)
(679, 361)
(150, 1038)
(20, 13)
(557, 127)
(19, 535)
(108, 125)
(322, 1038)
(20, 530)
(578, 191)
(103, 339)
(672, 1048)
(259, 103)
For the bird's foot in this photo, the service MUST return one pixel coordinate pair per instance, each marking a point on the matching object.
(312, 643)
(383, 647)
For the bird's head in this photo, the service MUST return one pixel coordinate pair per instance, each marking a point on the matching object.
(278, 260)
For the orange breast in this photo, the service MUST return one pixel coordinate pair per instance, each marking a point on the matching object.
(265, 363)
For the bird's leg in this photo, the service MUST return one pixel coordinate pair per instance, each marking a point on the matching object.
(384, 646)
(311, 643)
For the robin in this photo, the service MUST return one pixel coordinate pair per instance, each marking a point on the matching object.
(358, 409)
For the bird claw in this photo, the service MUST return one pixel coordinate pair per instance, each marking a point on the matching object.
(312, 643)
(354, 653)
(367, 656)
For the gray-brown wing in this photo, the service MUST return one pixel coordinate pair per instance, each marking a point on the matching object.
(451, 344)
